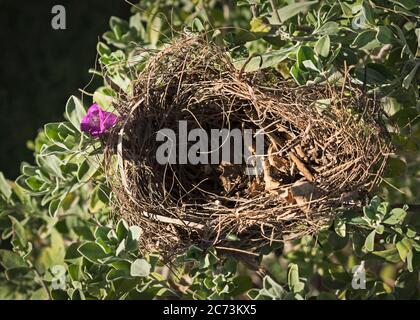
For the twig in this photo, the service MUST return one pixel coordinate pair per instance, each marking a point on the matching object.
(276, 14)
(178, 222)
(42, 283)
(254, 11)
(301, 167)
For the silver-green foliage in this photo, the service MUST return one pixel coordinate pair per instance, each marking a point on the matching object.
(59, 242)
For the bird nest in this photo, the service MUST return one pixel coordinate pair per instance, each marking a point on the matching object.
(324, 149)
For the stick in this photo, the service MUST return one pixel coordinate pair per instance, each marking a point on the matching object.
(178, 222)
(301, 167)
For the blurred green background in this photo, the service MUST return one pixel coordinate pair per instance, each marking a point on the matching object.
(41, 67)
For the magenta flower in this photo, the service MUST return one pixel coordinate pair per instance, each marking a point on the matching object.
(97, 121)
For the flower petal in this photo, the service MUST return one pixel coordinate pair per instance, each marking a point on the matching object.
(97, 121)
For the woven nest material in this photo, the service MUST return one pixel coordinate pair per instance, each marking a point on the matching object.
(316, 161)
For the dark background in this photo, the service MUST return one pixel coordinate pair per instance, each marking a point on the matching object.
(41, 67)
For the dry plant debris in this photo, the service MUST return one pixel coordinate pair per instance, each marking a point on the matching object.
(316, 162)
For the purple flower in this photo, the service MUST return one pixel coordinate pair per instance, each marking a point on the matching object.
(97, 121)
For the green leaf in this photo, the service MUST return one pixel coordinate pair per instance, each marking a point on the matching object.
(380, 229)
(132, 241)
(385, 35)
(75, 112)
(53, 254)
(194, 253)
(122, 229)
(104, 97)
(375, 202)
(345, 55)
(370, 241)
(103, 49)
(293, 278)
(51, 165)
(369, 212)
(154, 30)
(83, 169)
(197, 25)
(346, 9)
(135, 232)
(329, 28)
(118, 25)
(122, 265)
(409, 259)
(52, 131)
(364, 39)
(409, 78)
(120, 249)
(340, 227)
(18, 273)
(19, 232)
(304, 54)
(92, 252)
(322, 46)
(78, 295)
(34, 184)
(368, 12)
(298, 74)
(404, 246)
(5, 188)
(242, 283)
(383, 208)
(396, 216)
(75, 271)
(87, 170)
(140, 268)
(72, 252)
(390, 255)
(95, 203)
(338, 273)
(53, 207)
(407, 4)
(209, 260)
(263, 61)
(309, 65)
(39, 295)
(10, 260)
(114, 275)
(291, 10)
(272, 289)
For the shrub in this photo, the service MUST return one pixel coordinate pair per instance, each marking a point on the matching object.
(57, 216)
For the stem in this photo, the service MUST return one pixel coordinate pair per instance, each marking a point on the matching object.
(274, 8)
(42, 283)
(203, 4)
(254, 11)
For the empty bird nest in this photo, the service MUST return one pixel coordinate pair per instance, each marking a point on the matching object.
(316, 160)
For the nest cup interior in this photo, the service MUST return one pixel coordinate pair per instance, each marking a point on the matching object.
(183, 180)
(315, 160)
